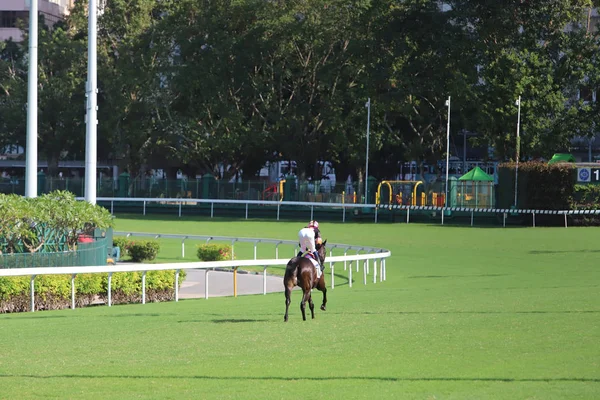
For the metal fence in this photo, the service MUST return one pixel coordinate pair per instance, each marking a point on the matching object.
(86, 254)
(373, 262)
(201, 188)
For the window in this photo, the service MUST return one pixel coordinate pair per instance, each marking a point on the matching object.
(587, 94)
(8, 19)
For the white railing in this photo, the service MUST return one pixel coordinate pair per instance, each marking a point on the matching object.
(275, 204)
(505, 213)
(376, 255)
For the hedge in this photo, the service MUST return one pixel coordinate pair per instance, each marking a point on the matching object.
(540, 186)
(214, 252)
(53, 292)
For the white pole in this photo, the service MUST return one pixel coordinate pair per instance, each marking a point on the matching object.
(31, 153)
(518, 103)
(91, 151)
(447, 159)
(368, 105)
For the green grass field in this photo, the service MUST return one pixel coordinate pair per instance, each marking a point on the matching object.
(465, 313)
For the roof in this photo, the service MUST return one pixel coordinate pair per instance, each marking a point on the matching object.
(561, 157)
(476, 174)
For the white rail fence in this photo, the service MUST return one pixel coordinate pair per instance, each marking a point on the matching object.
(504, 213)
(377, 256)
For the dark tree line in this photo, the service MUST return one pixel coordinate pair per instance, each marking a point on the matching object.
(202, 84)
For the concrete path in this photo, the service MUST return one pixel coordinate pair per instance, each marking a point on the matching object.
(220, 283)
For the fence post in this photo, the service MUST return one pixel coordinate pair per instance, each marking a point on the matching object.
(278, 205)
(109, 289)
(144, 207)
(350, 274)
(565, 220)
(365, 272)
(144, 287)
(32, 290)
(212, 207)
(180, 203)
(246, 210)
(332, 274)
(73, 291)
(183, 247)
(265, 280)
(375, 270)
(472, 217)
(176, 285)
(534, 219)
(408, 215)
(206, 284)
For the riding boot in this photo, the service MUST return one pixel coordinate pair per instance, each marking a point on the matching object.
(299, 254)
(316, 255)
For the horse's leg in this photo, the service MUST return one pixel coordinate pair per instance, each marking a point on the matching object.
(323, 288)
(288, 299)
(311, 305)
(305, 298)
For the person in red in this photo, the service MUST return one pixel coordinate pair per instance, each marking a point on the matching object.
(308, 237)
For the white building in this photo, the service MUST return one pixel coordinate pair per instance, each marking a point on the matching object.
(11, 11)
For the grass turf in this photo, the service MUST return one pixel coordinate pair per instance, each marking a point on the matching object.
(466, 313)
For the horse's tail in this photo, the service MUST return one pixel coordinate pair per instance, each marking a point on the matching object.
(292, 269)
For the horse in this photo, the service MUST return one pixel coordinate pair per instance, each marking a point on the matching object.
(301, 272)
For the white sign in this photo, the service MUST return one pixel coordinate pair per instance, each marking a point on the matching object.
(584, 174)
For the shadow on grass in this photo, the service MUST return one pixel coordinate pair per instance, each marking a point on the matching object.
(299, 378)
(563, 251)
(472, 312)
(453, 276)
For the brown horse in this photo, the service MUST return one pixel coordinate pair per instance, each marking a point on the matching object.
(301, 272)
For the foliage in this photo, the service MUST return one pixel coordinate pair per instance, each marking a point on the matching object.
(214, 252)
(542, 186)
(123, 244)
(143, 250)
(27, 224)
(224, 86)
(54, 291)
(586, 197)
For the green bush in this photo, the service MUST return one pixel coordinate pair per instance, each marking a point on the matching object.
(586, 197)
(540, 186)
(143, 250)
(53, 292)
(123, 244)
(214, 252)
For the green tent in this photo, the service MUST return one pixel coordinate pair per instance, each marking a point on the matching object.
(561, 157)
(476, 174)
(475, 189)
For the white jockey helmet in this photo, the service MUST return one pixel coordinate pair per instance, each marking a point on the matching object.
(313, 224)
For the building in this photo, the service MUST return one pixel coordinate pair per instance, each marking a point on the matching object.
(13, 11)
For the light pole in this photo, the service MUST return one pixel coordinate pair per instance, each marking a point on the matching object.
(91, 150)
(368, 106)
(518, 104)
(31, 154)
(447, 158)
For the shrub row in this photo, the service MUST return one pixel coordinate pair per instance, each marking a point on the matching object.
(53, 292)
(214, 252)
(30, 224)
(139, 251)
(540, 186)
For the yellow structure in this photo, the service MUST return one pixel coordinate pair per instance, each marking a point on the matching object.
(397, 198)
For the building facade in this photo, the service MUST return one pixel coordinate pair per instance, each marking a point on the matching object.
(13, 11)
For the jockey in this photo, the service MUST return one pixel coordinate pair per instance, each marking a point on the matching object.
(307, 237)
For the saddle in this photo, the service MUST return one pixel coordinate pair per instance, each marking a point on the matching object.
(314, 261)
